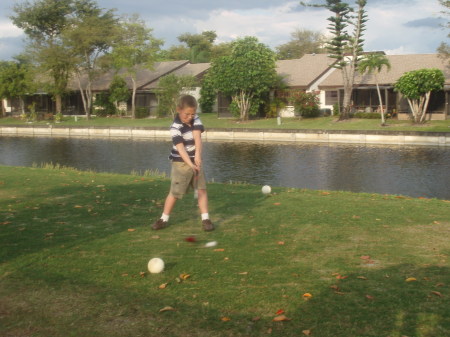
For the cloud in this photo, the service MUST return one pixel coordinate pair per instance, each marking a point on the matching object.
(7, 29)
(426, 22)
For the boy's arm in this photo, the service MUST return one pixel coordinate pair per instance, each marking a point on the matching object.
(184, 155)
(198, 147)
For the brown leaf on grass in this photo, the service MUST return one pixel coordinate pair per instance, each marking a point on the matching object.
(124, 274)
(369, 297)
(131, 229)
(411, 279)
(163, 286)
(440, 284)
(167, 308)
(219, 250)
(340, 277)
(362, 277)
(225, 319)
(365, 257)
(277, 203)
(142, 273)
(325, 193)
(356, 217)
(77, 206)
(184, 276)
(281, 318)
(307, 296)
(243, 273)
(279, 312)
(437, 293)
(335, 287)
(307, 332)
(436, 222)
(281, 243)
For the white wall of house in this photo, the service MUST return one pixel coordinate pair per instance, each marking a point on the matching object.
(7, 105)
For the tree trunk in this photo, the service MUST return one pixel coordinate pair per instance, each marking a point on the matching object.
(425, 106)
(58, 103)
(133, 98)
(383, 122)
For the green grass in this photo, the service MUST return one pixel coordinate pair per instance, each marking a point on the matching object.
(211, 121)
(71, 266)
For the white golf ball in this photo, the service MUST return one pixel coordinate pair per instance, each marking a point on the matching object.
(266, 189)
(211, 244)
(155, 265)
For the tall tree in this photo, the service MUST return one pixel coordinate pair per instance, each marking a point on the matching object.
(373, 63)
(90, 34)
(244, 75)
(43, 22)
(444, 47)
(303, 41)
(136, 48)
(417, 86)
(199, 45)
(346, 47)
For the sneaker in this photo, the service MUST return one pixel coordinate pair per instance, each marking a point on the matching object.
(207, 225)
(160, 224)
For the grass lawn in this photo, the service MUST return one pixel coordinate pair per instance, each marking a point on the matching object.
(74, 248)
(211, 121)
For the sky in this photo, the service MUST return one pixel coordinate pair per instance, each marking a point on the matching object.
(396, 27)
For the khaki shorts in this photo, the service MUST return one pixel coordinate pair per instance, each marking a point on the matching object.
(182, 178)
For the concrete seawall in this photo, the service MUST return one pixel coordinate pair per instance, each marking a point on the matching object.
(264, 135)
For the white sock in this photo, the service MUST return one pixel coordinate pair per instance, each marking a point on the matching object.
(165, 217)
(205, 216)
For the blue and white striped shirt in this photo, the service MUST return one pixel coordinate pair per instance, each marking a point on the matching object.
(182, 133)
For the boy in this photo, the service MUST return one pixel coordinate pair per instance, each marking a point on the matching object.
(186, 157)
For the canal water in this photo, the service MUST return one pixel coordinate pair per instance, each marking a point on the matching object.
(404, 170)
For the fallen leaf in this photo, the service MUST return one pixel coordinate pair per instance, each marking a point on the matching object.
(356, 217)
(219, 250)
(281, 243)
(77, 206)
(307, 296)
(225, 319)
(256, 319)
(437, 293)
(362, 277)
(365, 257)
(436, 222)
(243, 273)
(277, 203)
(340, 277)
(370, 297)
(190, 239)
(307, 332)
(411, 279)
(124, 274)
(155, 237)
(131, 229)
(325, 193)
(334, 287)
(440, 285)
(184, 276)
(142, 273)
(279, 312)
(167, 308)
(163, 286)
(281, 318)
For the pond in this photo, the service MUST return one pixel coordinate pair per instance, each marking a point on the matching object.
(405, 170)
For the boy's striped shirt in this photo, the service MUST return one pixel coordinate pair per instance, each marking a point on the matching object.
(182, 133)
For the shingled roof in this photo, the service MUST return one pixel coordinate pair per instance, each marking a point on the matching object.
(399, 65)
(196, 70)
(301, 73)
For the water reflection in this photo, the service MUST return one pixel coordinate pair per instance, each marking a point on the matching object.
(413, 171)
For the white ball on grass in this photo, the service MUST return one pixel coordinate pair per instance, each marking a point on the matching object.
(155, 265)
(211, 244)
(266, 189)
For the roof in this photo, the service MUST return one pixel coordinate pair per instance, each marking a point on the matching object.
(197, 70)
(400, 64)
(301, 73)
(144, 76)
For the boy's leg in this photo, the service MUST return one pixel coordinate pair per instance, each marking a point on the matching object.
(169, 204)
(203, 206)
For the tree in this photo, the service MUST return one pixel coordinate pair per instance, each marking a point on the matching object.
(118, 91)
(444, 48)
(346, 47)
(417, 86)
(169, 89)
(199, 45)
(135, 48)
(244, 75)
(303, 41)
(373, 63)
(16, 80)
(90, 34)
(43, 22)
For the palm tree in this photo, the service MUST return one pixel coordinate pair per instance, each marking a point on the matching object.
(372, 64)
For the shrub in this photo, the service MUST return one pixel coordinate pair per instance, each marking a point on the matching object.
(142, 112)
(366, 115)
(307, 105)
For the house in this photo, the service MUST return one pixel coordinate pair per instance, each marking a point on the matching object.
(365, 97)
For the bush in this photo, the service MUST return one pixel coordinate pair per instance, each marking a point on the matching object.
(142, 112)
(103, 106)
(366, 115)
(307, 105)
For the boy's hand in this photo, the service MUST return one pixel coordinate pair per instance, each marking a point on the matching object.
(198, 161)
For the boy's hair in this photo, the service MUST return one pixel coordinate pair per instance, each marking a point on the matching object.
(187, 101)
